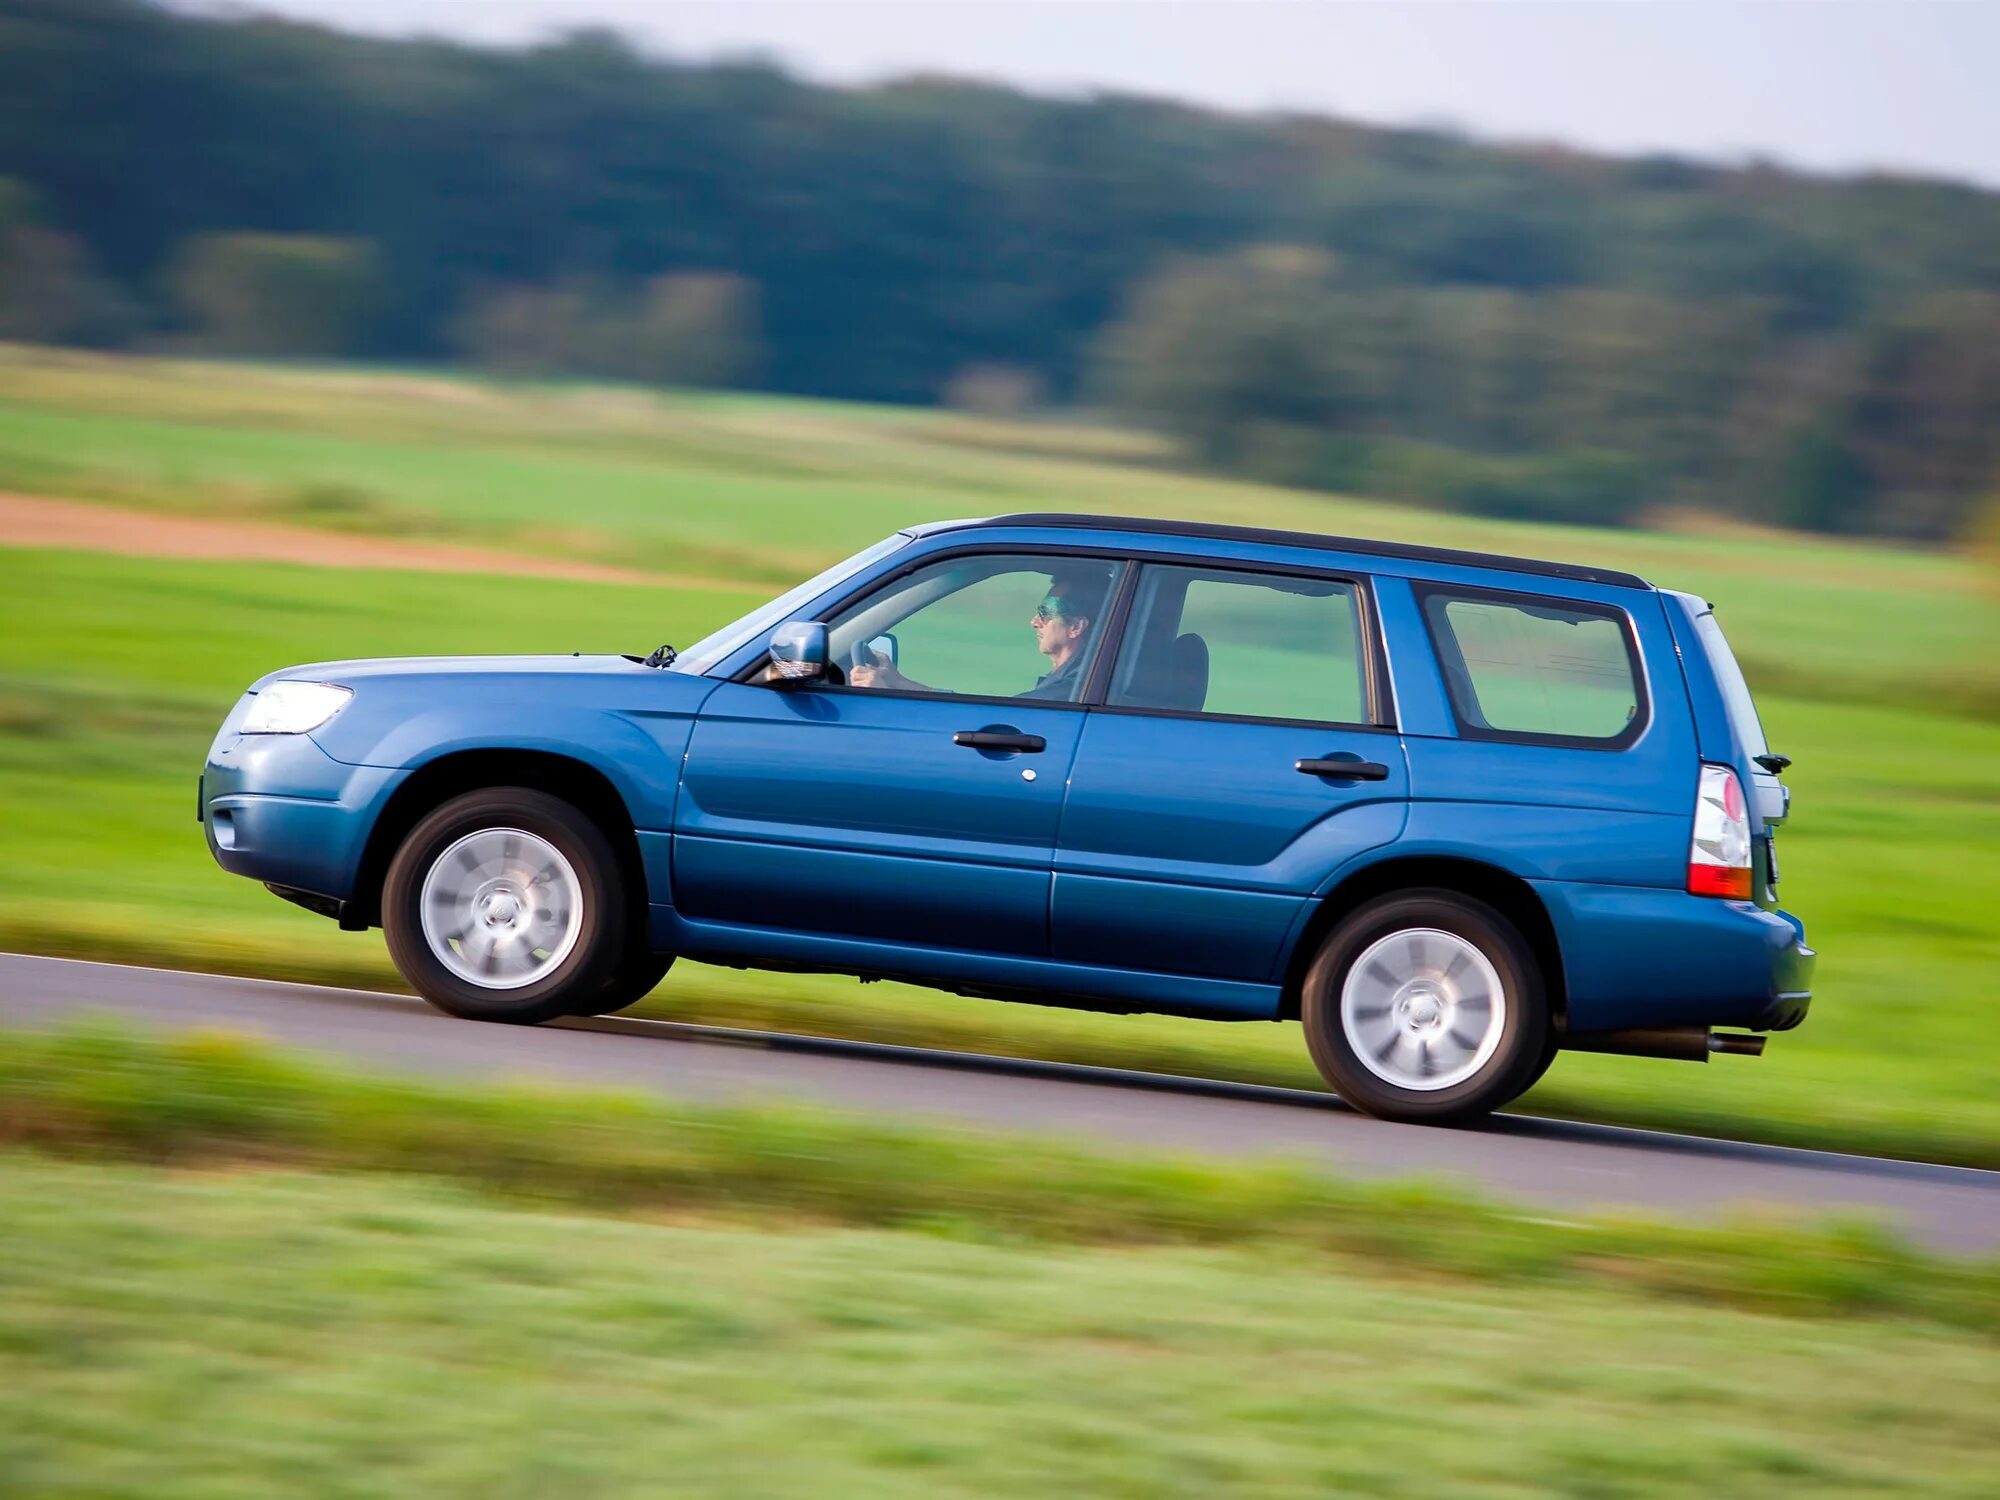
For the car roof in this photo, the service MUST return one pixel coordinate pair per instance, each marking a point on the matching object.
(1363, 546)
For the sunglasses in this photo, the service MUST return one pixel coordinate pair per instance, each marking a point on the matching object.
(1054, 607)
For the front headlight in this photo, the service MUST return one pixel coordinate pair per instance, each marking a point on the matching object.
(293, 707)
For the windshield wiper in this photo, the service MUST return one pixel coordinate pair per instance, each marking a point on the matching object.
(663, 656)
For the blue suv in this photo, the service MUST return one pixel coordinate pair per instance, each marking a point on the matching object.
(1451, 811)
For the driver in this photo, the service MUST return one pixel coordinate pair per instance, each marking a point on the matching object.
(1062, 624)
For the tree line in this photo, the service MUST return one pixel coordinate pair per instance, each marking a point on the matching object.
(1407, 312)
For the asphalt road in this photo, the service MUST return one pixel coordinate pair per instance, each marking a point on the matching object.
(1542, 1162)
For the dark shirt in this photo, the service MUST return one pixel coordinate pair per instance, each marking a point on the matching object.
(1062, 685)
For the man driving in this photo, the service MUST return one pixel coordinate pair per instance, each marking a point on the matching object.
(1062, 623)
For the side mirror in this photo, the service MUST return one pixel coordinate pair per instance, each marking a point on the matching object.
(798, 653)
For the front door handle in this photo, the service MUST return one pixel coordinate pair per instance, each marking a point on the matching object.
(993, 739)
(1346, 770)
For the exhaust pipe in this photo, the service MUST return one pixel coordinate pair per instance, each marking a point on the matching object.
(1683, 1043)
(1736, 1043)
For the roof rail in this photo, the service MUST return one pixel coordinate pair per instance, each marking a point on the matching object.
(1364, 546)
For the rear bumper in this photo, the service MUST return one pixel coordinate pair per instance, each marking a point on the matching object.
(278, 809)
(1644, 957)
(1793, 996)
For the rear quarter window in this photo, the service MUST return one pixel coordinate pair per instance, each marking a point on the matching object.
(1522, 667)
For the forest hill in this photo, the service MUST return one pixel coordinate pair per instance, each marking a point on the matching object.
(1527, 331)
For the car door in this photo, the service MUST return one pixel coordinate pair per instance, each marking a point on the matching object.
(1241, 755)
(922, 809)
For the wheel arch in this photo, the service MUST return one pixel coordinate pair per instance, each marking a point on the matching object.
(1505, 892)
(436, 782)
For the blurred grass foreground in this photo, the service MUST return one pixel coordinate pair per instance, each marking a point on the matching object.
(1875, 667)
(231, 1273)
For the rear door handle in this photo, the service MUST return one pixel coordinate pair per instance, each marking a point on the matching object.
(1346, 770)
(990, 739)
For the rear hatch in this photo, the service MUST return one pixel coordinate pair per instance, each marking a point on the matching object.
(1750, 753)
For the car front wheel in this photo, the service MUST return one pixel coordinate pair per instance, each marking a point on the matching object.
(1426, 1006)
(505, 905)
(632, 981)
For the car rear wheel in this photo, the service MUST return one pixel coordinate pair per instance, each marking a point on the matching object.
(1426, 1006)
(505, 905)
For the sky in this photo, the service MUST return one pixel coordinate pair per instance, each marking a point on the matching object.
(1907, 85)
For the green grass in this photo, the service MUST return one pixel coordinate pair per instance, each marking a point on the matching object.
(229, 1272)
(113, 673)
(214, 1100)
(189, 1337)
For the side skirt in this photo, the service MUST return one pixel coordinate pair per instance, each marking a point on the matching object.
(989, 976)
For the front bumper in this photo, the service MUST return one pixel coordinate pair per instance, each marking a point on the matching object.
(1638, 957)
(278, 809)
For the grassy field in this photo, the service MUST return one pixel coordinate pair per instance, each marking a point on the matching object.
(231, 1272)
(764, 491)
(1875, 669)
(209, 1100)
(311, 1335)
(810, 1302)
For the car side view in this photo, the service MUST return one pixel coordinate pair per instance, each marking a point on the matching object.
(1452, 812)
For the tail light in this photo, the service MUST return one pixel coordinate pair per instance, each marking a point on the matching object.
(1719, 855)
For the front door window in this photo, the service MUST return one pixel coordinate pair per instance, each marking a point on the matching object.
(991, 626)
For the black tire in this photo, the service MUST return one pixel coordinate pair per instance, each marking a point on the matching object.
(1549, 1051)
(1517, 1055)
(632, 981)
(593, 956)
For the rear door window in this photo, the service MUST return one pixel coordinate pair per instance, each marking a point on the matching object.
(1243, 645)
(1523, 667)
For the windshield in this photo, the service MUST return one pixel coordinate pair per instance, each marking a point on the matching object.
(1735, 691)
(711, 649)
